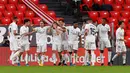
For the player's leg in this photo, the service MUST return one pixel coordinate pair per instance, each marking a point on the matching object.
(87, 54)
(108, 46)
(118, 52)
(75, 49)
(60, 54)
(39, 54)
(124, 54)
(102, 46)
(93, 56)
(16, 54)
(124, 58)
(70, 54)
(13, 48)
(54, 48)
(44, 50)
(27, 48)
(65, 55)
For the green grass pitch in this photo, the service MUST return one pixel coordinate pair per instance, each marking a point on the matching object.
(65, 69)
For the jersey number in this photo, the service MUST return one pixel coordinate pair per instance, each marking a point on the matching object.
(92, 31)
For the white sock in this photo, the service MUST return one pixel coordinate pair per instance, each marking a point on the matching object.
(124, 58)
(15, 55)
(66, 58)
(114, 57)
(86, 57)
(70, 58)
(12, 53)
(101, 56)
(109, 56)
(26, 59)
(93, 58)
(38, 58)
(75, 58)
(54, 58)
(42, 58)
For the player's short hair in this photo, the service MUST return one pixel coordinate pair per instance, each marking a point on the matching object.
(26, 20)
(105, 19)
(88, 19)
(55, 23)
(42, 21)
(75, 22)
(14, 18)
(61, 20)
(120, 22)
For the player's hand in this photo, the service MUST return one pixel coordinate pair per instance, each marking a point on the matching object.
(125, 41)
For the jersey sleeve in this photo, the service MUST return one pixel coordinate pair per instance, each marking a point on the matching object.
(22, 31)
(118, 35)
(14, 27)
(67, 27)
(97, 28)
(109, 28)
(79, 32)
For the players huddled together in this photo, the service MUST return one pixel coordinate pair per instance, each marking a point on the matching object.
(66, 39)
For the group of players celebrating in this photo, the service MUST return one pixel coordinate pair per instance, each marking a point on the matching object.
(66, 39)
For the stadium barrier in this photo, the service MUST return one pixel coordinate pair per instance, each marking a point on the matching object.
(5, 53)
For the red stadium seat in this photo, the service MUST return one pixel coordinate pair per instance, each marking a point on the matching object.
(99, 20)
(100, 2)
(119, 2)
(21, 7)
(52, 14)
(43, 7)
(11, 7)
(126, 7)
(6, 20)
(13, 2)
(3, 1)
(124, 19)
(8, 14)
(104, 14)
(115, 14)
(125, 14)
(21, 2)
(19, 14)
(20, 21)
(127, 33)
(127, 1)
(35, 1)
(108, 2)
(2, 7)
(93, 14)
(117, 7)
(113, 20)
(36, 20)
(1, 15)
(128, 26)
(29, 14)
(127, 38)
(88, 2)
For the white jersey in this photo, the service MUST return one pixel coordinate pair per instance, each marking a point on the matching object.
(74, 33)
(119, 34)
(23, 30)
(103, 31)
(91, 35)
(56, 36)
(12, 27)
(41, 35)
